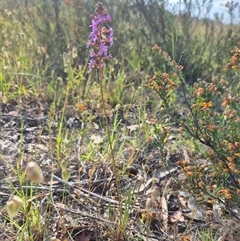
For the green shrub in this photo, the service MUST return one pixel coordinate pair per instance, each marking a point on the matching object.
(212, 117)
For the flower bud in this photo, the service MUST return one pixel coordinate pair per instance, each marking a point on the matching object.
(65, 174)
(64, 164)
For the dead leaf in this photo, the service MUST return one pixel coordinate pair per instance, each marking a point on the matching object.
(223, 237)
(97, 139)
(217, 212)
(133, 127)
(41, 147)
(186, 238)
(164, 214)
(95, 126)
(177, 217)
(13, 113)
(54, 239)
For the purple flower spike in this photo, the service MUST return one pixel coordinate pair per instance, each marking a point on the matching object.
(100, 38)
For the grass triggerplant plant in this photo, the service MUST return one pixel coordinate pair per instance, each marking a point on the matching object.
(100, 39)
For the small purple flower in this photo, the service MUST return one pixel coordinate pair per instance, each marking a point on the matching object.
(103, 49)
(91, 63)
(100, 38)
(107, 17)
(92, 16)
(110, 36)
(92, 39)
(100, 19)
(92, 53)
(94, 25)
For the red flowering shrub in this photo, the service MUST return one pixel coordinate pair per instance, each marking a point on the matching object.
(212, 117)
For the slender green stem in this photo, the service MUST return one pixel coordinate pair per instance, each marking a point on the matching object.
(119, 230)
(100, 76)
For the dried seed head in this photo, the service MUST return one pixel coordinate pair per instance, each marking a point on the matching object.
(155, 193)
(148, 203)
(12, 209)
(19, 202)
(34, 172)
(13, 206)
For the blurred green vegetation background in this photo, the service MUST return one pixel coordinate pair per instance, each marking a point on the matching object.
(36, 33)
